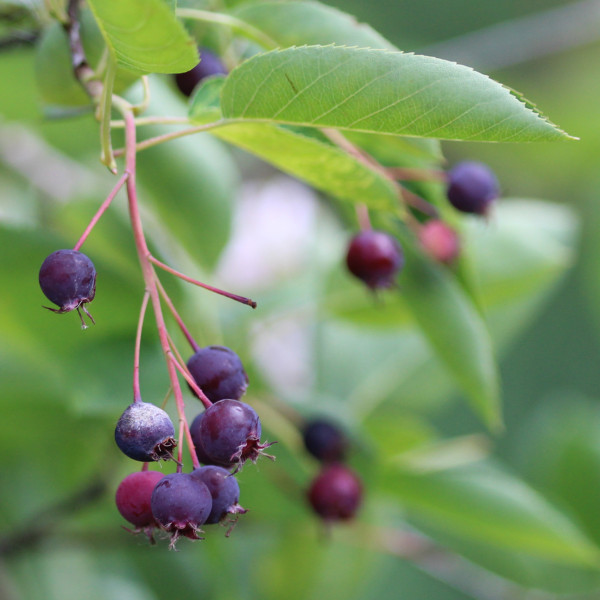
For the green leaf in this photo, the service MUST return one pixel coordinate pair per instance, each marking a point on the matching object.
(485, 504)
(298, 23)
(379, 91)
(455, 330)
(145, 36)
(345, 177)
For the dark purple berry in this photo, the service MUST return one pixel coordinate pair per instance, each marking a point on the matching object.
(219, 373)
(440, 241)
(68, 278)
(133, 497)
(196, 438)
(375, 257)
(229, 433)
(472, 187)
(145, 433)
(180, 504)
(224, 489)
(336, 493)
(324, 440)
(210, 64)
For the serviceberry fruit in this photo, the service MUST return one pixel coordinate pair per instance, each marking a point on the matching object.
(68, 279)
(210, 64)
(145, 433)
(440, 241)
(336, 493)
(324, 440)
(374, 257)
(180, 504)
(229, 433)
(472, 187)
(219, 373)
(133, 498)
(224, 490)
(197, 439)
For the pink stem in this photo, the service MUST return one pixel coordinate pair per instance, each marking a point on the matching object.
(184, 329)
(101, 210)
(415, 174)
(137, 396)
(235, 297)
(362, 214)
(186, 375)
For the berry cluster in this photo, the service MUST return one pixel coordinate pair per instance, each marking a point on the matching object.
(335, 494)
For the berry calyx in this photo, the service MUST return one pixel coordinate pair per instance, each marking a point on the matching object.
(145, 433)
(324, 440)
(68, 279)
(133, 499)
(180, 505)
(224, 490)
(219, 373)
(440, 241)
(375, 257)
(229, 433)
(336, 493)
(472, 187)
(210, 64)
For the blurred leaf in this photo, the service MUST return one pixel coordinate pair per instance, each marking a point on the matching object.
(455, 330)
(299, 23)
(486, 504)
(145, 36)
(379, 92)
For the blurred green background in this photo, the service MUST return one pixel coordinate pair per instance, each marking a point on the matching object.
(316, 345)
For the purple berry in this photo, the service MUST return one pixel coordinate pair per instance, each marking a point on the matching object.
(224, 489)
(472, 187)
(440, 241)
(180, 504)
(374, 257)
(336, 493)
(210, 64)
(197, 439)
(68, 279)
(133, 497)
(145, 433)
(229, 433)
(324, 440)
(219, 373)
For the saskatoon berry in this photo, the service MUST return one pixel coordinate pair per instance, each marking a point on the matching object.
(336, 493)
(68, 278)
(180, 504)
(374, 257)
(210, 64)
(223, 488)
(472, 187)
(219, 373)
(145, 433)
(324, 440)
(229, 433)
(133, 497)
(440, 241)
(196, 438)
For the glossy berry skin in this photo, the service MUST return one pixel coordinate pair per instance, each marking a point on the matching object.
(229, 433)
(145, 433)
(68, 279)
(440, 241)
(219, 373)
(181, 504)
(210, 64)
(374, 257)
(472, 187)
(133, 497)
(336, 493)
(197, 439)
(224, 490)
(324, 440)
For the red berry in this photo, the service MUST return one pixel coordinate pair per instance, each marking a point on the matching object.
(375, 257)
(440, 241)
(336, 493)
(133, 497)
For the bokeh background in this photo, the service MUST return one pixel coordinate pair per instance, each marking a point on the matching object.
(317, 345)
